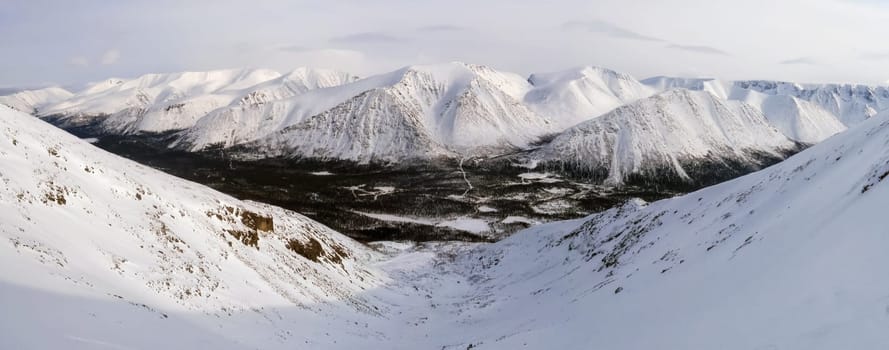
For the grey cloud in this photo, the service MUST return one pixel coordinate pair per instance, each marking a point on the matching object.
(366, 38)
(699, 49)
(800, 60)
(606, 28)
(875, 56)
(293, 48)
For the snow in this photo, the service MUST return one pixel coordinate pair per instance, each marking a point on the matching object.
(463, 223)
(547, 178)
(397, 218)
(467, 224)
(487, 209)
(321, 173)
(512, 219)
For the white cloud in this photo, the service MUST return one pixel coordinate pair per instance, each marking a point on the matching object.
(110, 57)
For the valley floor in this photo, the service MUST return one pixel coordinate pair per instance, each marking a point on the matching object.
(468, 200)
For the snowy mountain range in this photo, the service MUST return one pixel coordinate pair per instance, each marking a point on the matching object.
(415, 112)
(102, 252)
(458, 110)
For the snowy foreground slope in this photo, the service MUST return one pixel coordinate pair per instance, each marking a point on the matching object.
(96, 250)
(677, 135)
(791, 257)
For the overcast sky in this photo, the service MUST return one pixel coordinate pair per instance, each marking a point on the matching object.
(75, 41)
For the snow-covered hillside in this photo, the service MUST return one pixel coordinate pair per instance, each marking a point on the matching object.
(677, 135)
(798, 119)
(94, 247)
(31, 101)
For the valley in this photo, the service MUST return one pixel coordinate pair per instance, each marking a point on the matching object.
(415, 201)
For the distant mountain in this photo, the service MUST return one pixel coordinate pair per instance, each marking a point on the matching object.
(30, 101)
(422, 112)
(799, 119)
(165, 102)
(577, 95)
(414, 112)
(675, 136)
(808, 113)
(851, 104)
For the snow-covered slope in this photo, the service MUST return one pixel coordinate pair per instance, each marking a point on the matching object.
(30, 101)
(93, 246)
(573, 96)
(791, 257)
(799, 119)
(675, 135)
(417, 111)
